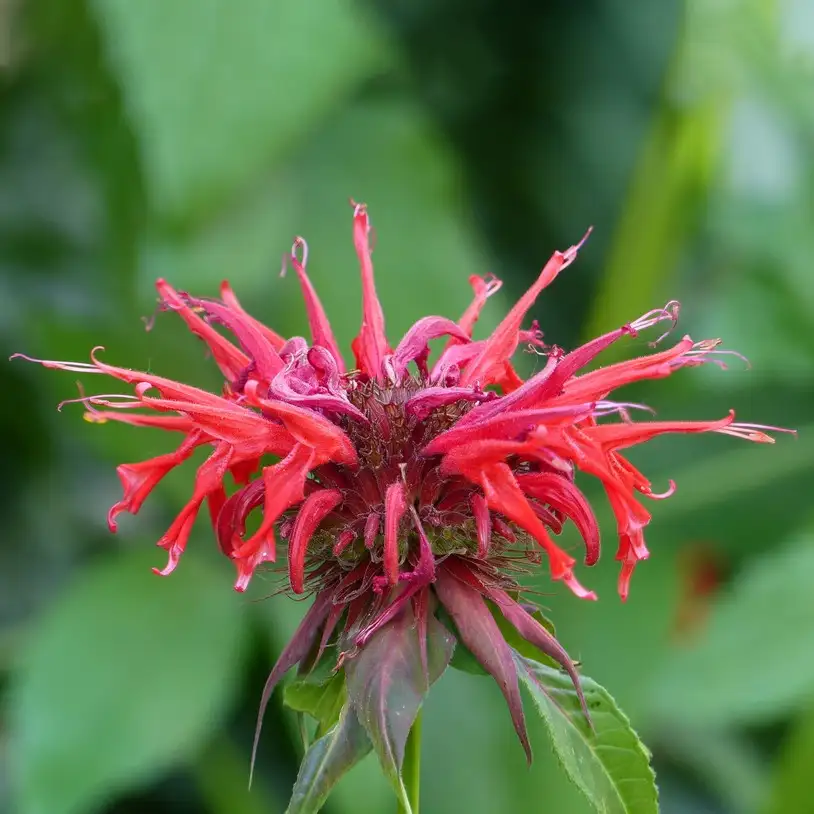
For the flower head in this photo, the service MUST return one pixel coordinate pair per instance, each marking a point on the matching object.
(401, 485)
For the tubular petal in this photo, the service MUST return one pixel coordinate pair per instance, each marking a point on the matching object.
(139, 479)
(414, 347)
(228, 296)
(283, 487)
(500, 346)
(321, 332)
(313, 511)
(371, 346)
(483, 524)
(561, 494)
(229, 359)
(483, 289)
(395, 505)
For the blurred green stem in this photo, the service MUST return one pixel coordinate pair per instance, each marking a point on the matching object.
(411, 770)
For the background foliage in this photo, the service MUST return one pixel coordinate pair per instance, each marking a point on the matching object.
(193, 139)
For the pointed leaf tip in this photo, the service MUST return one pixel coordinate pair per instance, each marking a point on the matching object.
(609, 764)
(328, 759)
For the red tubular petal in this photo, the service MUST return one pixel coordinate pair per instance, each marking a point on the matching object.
(309, 428)
(228, 296)
(505, 496)
(395, 505)
(281, 388)
(321, 332)
(503, 529)
(231, 522)
(371, 346)
(313, 511)
(507, 426)
(563, 495)
(483, 524)
(294, 652)
(167, 387)
(173, 423)
(284, 484)
(597, 384)
(480, 633)
(266, 360)
(244, 429)
(372, 525)
(344, 539)
(500, 346)
(483, 289)
(619, 436)
(208, 479)
(139, 479)
(231, 361)
(430, 398)
(414, 347)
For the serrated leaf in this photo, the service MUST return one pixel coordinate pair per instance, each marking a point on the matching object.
(609, 764)
(322, 700)
(216, 96)
(387, 683)
(124, 676)
(326, 761)
(752, 662)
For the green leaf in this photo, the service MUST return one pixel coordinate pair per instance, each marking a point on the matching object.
(125, 676)
(322, 700)
(326, 761)
(216, 96)
(387, 683)
(610, 765)
(792, 780)
(752, 663)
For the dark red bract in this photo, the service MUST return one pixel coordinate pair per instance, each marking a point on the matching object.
(402, 481)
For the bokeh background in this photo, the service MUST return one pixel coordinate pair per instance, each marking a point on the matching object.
(193, 139)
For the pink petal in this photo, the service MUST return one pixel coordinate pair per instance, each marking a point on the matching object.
(371, 346)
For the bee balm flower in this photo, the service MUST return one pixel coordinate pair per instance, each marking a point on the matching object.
(400, 484)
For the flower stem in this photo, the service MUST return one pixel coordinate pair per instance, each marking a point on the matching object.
(411, 770)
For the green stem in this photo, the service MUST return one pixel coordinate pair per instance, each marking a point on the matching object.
(411, 770)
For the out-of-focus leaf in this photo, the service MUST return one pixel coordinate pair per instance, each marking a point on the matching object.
(726, 762)
(216, 96)
(387, 682)
(610, 765)
(753, 663)
(124, 676)
(791, 789)
(327, 760)
(424, 243)
(322, 700)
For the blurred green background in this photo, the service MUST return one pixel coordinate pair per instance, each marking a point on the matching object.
(193, 139)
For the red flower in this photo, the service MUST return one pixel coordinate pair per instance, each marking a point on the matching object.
(399, 484)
